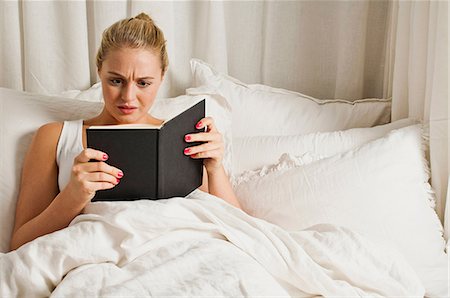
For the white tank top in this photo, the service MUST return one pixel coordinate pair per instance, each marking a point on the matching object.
(70, 144)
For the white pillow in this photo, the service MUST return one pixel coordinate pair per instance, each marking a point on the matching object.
(21, 114)
(251, 153)
(94, 93)
(259, 110)
(380, 190)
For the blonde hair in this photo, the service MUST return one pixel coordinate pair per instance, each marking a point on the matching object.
(138, 32)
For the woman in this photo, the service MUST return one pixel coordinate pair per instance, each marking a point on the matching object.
(58, 180)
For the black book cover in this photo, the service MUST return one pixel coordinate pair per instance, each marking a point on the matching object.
(151, 159)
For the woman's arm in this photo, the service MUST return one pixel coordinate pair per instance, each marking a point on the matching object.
(216, 181)
(41, 209)
(36, 211)
(218, 184)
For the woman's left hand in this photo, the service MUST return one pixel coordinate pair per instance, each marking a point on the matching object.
(213, 147)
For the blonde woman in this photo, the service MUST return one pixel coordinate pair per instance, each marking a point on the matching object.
(57, 179)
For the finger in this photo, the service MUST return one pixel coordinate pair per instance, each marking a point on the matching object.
(203, 147)
(101, 177)
(207, 122)
(88, 154)
(203, 137)
(98, 167)
(214, 154)
(96, 186)
(89, 183)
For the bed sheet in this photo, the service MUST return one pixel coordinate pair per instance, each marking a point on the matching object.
(436, 279)
(200, 246)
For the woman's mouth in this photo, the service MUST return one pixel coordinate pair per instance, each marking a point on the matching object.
(127, 109)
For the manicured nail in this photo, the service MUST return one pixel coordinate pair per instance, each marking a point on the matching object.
(199, 125)
(187, 150)
(120, 174)
(187, 137)
(118, 180)
(105, 156)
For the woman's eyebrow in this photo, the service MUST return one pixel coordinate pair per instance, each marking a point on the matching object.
(118, 74)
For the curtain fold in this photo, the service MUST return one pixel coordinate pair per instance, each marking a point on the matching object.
(11, 74)
(53, 58)
(420, 80)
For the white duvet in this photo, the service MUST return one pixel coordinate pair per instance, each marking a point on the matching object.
(199, 246)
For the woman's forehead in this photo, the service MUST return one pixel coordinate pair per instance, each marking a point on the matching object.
(141, 60)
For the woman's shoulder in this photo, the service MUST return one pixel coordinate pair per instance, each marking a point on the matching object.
(48, 134)
(44, 143)
(51, 128)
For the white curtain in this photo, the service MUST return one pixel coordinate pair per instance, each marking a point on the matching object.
(326, 49)
(418, 63)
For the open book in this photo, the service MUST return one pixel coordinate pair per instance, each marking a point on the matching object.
(151, 157)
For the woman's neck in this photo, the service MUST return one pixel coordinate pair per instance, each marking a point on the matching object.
(106, 119)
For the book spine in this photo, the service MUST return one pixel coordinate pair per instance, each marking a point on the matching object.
(160, 193)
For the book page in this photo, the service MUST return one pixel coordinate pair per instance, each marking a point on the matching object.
(127, 126)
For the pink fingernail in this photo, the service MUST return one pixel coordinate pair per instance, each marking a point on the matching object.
(118, 180)
(187, 150)
(187, 138)
(120, 174)
(199, 125)
(105, 156)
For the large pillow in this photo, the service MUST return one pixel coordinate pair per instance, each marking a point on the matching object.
(379, 189)
(251, 153)
(94, 93)
(21, 114)
(259, 110)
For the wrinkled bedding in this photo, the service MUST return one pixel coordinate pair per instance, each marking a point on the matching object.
(200, 246)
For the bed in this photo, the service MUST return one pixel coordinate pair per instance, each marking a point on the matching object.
(336, 199)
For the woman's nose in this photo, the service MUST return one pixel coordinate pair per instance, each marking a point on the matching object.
(128, 92)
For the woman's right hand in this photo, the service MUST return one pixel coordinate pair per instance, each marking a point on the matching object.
(88, 176)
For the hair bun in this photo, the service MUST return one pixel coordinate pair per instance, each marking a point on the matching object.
(143, 16)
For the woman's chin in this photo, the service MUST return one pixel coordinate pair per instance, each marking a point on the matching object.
(131, 119)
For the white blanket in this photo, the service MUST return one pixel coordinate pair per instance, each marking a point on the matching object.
(199, 246)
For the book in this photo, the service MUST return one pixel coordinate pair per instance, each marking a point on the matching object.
(151, 157)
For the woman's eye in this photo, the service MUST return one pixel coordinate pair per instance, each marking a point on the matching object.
(116, 81)
(143, 84)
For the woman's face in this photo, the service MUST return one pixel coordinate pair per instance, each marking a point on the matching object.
(130, 81)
